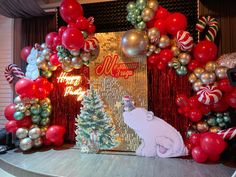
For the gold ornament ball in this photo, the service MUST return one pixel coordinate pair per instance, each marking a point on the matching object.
(214, 129)
(152, 48)
(198, 71)
(208, 77)
(197, 85)
(147, 14)
(153, 4)
(192, 78)
(211, 66)
(175, 51)
(184, 58)
(164, 41)
(202, 127)
(153, 34)
(221, 72)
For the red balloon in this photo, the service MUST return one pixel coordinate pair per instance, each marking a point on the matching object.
(82, 23)
(193, 102)
(25, 122)
(230, 99)
(11, 126)
(55, 132)
(56, 42)
(193, 64)
(25, 52)
(162, 13)
(61, 30)
(49, 40)
(161, 65)
(214, 158)
(25, 87)
(212, 143)
(91, 29)
(70, 10)
(205, 109)
(152, 60)
(181, 100)
(166, 55)
(59, 142)
(195, 139)
(220, 106)
(199, 155)
(224, 85)
(73, 39)
(176, 22)
(195, 115)
(71, 25)
(205, 51)
(9, 112)
(46, 141)
(161, 25)
(151, 23)
(54, 60)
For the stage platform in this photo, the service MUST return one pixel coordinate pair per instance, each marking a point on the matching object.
(69, 162)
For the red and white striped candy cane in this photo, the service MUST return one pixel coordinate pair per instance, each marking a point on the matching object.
(213, 27)
(91, 44)
(11, 71)
(184, 40)
(228, 134)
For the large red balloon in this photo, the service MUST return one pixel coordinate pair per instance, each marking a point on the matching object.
(56, 42)
(61, 30)
(55, 132)
(25, 52)
(54, 60)
(166, 55)
(224, 85)
(25, 87)
(181, 100)
(195, 139)
(205, 51)
(82, 23)
(193, 64)
(195, 115)
(70, 10)
(49, 40)
(212, 143)
(73, 39)
(162, 13)
(199, 155)
(230, 99)
(11, 126)
(193, 102)
(176, 22)
(160, 24)
(9, 112)
(220, 106)
(152, 60)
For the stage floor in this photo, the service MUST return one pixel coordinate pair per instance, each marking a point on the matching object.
(69, 162)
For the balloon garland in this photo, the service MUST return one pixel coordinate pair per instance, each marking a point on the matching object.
(162, 37)
(72, 47)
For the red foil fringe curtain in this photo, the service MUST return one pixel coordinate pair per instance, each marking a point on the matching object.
(163, 87)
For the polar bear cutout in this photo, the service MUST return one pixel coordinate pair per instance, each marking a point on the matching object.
(32, 71)
(159, 139)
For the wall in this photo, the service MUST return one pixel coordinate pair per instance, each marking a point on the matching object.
(6, 57)
(225, 12)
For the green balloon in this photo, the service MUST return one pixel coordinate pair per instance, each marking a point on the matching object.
(182, 71)
(222, 125)
(141, 4)
(131, 6)
(212, 122)
(219, 120)
(227, 119)
(36, 119)
(219, 115)
(45, 113)
(45, 121)
(35, 109)
(139, 18)
(137, 12)
(18, 115)
(141, 25)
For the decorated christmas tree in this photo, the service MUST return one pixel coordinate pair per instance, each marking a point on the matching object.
(94, 127)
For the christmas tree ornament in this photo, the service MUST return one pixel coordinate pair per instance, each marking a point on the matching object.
(34, 133)
(184, 40)
(209, 95)
(26, 144)
(21, 133)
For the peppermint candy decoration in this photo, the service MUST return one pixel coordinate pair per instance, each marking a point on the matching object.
(12, 71)
(184, 40)
(213, 24)
(209, 95)
(228, 134)
(91, 44)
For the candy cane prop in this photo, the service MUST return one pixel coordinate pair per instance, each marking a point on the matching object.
(213, 27)
(91, 44)
(12, 71)
(228, 134)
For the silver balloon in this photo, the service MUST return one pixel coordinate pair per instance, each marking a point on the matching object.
(221, 72)
(76, 62)
(184, 58)
(197, 85)
(67, 68)
(26, 144)
(134, 43)
(85, 56)
(153, 4)
(17, 100)
(164, 41)
(208, 77)
(75, 52)
(21, 133)
(198, 71)
(153, 35)
(34, 133)
(147, 14)
(38, 142)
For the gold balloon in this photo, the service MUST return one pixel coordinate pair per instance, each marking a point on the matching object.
(147, 14)
(175, 51)
(211, 66)
(221, 72)
(214, 129)
(67, 61)
(164, 41)
(153, 4)
(76, 62)
(198, 71)
(197, 85)
(184, 58)
(208, 77)
(134, 43)
(153, 35)
(192, 78)
(152, 48)
(202, 127)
